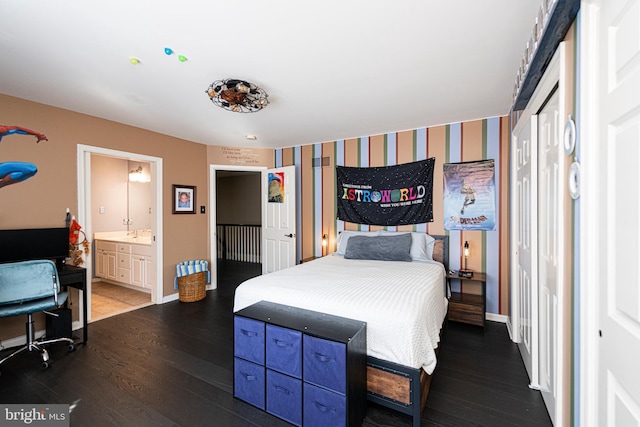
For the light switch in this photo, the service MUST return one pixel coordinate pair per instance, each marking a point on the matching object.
(101, 209)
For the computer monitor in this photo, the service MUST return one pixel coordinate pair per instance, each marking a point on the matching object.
(35, 243)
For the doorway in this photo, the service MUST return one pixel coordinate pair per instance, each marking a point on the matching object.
(84, 155)
(245, 194)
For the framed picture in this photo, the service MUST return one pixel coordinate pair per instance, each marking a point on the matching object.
(184, 199)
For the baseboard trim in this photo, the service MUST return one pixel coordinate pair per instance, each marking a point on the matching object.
(19, 341)
(169, 298)
(510, 329)
(496, 317)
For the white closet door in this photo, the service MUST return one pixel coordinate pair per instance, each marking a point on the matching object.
(550, 247)
(524, 241)
(610, 319)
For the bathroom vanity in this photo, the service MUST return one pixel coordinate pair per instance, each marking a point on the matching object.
(125, 260)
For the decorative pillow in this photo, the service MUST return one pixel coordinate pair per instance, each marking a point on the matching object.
(383, 248)
(344, 236)
(421, 244)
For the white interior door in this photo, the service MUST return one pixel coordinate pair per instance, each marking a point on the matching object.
(279, 219)
(524, 242)
(550, 232)
(611, 206)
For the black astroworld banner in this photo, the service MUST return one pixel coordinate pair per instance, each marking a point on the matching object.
(388, 195)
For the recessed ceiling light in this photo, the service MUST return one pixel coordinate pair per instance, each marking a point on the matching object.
(251, 137)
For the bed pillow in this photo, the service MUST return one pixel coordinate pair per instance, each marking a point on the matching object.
(383, 248)
(343, 239)
(421, 244)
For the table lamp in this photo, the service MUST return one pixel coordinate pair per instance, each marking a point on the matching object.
(465, 272)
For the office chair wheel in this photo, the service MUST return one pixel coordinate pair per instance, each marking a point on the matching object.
(45, 365)
(71, 347)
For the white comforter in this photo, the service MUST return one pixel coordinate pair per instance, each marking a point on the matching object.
(403, 303)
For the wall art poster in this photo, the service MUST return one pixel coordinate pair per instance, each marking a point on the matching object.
(276, 187)
(388, 195)
(469, 196)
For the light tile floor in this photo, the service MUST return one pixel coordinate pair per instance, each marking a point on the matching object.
(108, 300)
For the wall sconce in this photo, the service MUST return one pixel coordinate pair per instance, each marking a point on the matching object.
(324, 244)
(465, 272)
(136, 175)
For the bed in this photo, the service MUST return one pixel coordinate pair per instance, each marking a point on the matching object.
(403, 303)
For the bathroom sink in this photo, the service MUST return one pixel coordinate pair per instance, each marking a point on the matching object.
(131, 239)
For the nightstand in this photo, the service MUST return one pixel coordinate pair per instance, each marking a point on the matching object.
(465, 307)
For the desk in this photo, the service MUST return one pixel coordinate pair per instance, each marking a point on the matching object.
(76, 277)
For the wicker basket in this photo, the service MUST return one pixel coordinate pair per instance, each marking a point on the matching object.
(192, 287)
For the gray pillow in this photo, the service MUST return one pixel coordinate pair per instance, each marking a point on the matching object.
(383, 248)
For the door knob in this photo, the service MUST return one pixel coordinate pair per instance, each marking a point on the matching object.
(288, 235)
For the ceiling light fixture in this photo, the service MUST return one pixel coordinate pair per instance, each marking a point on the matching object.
(237, 95)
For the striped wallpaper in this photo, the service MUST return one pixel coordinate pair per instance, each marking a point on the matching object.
(455, 142)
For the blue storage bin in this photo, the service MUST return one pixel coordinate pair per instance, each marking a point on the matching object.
(325, 363)
(284, 397)
(323, 408)
(284, 350)
(248, 382)
(248, 339)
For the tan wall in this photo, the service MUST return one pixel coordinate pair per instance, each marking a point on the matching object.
(239, 157)
(109, 180)
(42, 200)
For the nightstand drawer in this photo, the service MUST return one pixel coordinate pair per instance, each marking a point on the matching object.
(284, 350)
(466, 313)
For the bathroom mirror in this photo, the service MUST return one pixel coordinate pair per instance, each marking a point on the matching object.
(139, 196)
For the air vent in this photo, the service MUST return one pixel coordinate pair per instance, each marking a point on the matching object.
(321, 162)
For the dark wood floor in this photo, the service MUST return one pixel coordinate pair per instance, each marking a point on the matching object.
(171, 365)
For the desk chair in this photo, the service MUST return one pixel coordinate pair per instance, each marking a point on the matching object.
(28, 287)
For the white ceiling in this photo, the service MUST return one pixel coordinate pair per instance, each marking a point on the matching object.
(333, 69)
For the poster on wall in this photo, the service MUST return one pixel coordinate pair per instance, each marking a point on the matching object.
(469, 196)
(387, 195)
(275, 189)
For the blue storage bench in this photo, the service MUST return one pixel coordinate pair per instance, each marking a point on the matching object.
(305, 367)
